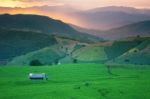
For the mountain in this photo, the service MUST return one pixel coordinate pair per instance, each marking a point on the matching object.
(26, 39)
(99, 18)
(131, 30)
(21, 34)
(113, 16)
(104, 20)
(89, 31)
(130, 10)
(43, 24)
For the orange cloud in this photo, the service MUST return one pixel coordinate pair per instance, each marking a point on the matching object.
(9, 3)
(27, 3)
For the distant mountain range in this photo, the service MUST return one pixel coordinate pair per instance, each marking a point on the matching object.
(130, 10)
(104, 20)
(99, 18)
(131, 30)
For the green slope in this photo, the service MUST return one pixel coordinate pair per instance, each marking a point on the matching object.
(15, 42)
(56, 54)
(90, 54)
(137, 55)
(144, 44)
(46, 56)
(119, 47)
(135, 49)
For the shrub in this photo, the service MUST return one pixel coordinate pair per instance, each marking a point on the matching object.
(135, 51)
(35, 63)
(56, 61)
(75, 60)
(127, 60)
(86, 84)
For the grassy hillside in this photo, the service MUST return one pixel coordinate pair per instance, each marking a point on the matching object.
(105, 51)
(88, 81)
(45, 56)
(119, 47)
(49, 55)
(90, 54)
(71, 51)
(15, 42)
(64, 54)
(145, 43)
(137, 55)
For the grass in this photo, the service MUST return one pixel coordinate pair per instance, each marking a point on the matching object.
(78, 81)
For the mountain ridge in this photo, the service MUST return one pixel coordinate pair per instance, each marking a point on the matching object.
(84, 18)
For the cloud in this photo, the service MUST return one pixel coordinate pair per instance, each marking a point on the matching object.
(28, 3)
(81, 4)
(28, 0)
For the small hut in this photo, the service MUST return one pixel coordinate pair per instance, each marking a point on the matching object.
(38, 76)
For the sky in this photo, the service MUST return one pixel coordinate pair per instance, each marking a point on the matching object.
(81, 4)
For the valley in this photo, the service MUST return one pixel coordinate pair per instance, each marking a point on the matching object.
(79, 63)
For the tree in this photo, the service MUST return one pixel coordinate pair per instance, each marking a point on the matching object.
(127, 60)
(35, 63)
(75, 61)
(56, 61)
